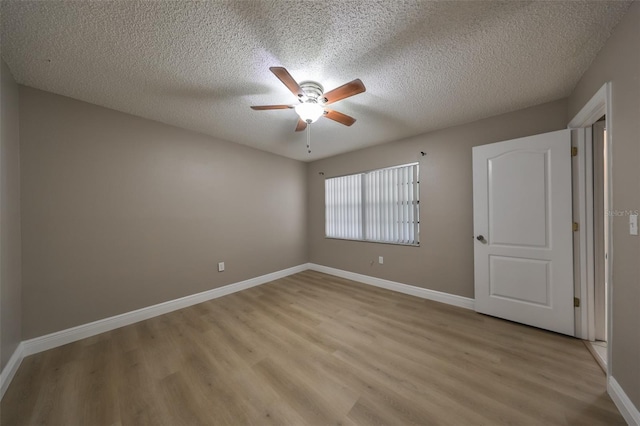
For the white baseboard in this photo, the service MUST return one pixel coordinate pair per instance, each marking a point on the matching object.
(10, 369)
(49, 341)
(424, 293)
(69, 335)
(59, 338)
(628, 410)
(602, 362)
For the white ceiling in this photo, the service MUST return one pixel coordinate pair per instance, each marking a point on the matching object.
(200, 65)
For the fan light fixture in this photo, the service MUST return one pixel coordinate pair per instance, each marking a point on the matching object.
(309, 112)
(313, 101)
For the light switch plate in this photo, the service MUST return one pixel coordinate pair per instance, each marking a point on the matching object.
(633, 224)
(220, 266)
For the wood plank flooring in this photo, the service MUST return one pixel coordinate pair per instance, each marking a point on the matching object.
(313, 349)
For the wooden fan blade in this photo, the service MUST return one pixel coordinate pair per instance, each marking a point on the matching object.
(263, 107)
(301, 125)
(339, 117)
(284, 76)
(349, 89)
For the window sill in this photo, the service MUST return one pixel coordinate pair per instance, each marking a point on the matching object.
(374, 242)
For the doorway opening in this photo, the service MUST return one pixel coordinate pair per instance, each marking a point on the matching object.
(598, 346)
(592, 128)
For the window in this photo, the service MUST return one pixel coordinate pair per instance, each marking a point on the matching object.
(380, 206)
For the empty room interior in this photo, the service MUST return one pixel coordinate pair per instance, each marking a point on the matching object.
(311, 213)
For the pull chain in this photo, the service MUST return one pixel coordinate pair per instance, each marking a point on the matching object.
(309, 138)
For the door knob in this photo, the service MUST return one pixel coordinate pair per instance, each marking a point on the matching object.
(480, 238)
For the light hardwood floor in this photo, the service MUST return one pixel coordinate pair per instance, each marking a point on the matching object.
(318, 350)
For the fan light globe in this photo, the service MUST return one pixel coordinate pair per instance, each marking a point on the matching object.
(309, 112)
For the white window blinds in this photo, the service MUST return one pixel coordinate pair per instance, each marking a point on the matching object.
(380, 205)
(343, 200)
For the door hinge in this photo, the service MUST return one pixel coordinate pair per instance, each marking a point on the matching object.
(574, 151)
(576, 227)
(576, 302)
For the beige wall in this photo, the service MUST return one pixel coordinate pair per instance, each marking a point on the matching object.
(619, 62)
(10, 268)
(119, 212)
(444, 260)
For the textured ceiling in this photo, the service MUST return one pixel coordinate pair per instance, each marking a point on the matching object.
(200, 65)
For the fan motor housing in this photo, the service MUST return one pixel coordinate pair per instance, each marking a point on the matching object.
(313, 90)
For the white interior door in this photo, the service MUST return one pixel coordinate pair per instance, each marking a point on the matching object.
(523, 226)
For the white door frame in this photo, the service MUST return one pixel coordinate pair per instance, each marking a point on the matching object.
(598, 105)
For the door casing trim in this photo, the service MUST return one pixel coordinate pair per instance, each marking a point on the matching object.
(599, 105)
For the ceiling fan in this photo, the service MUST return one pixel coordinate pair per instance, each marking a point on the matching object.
(313, 101)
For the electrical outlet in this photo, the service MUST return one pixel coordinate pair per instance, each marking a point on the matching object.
(220, 266)
(380, 260)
